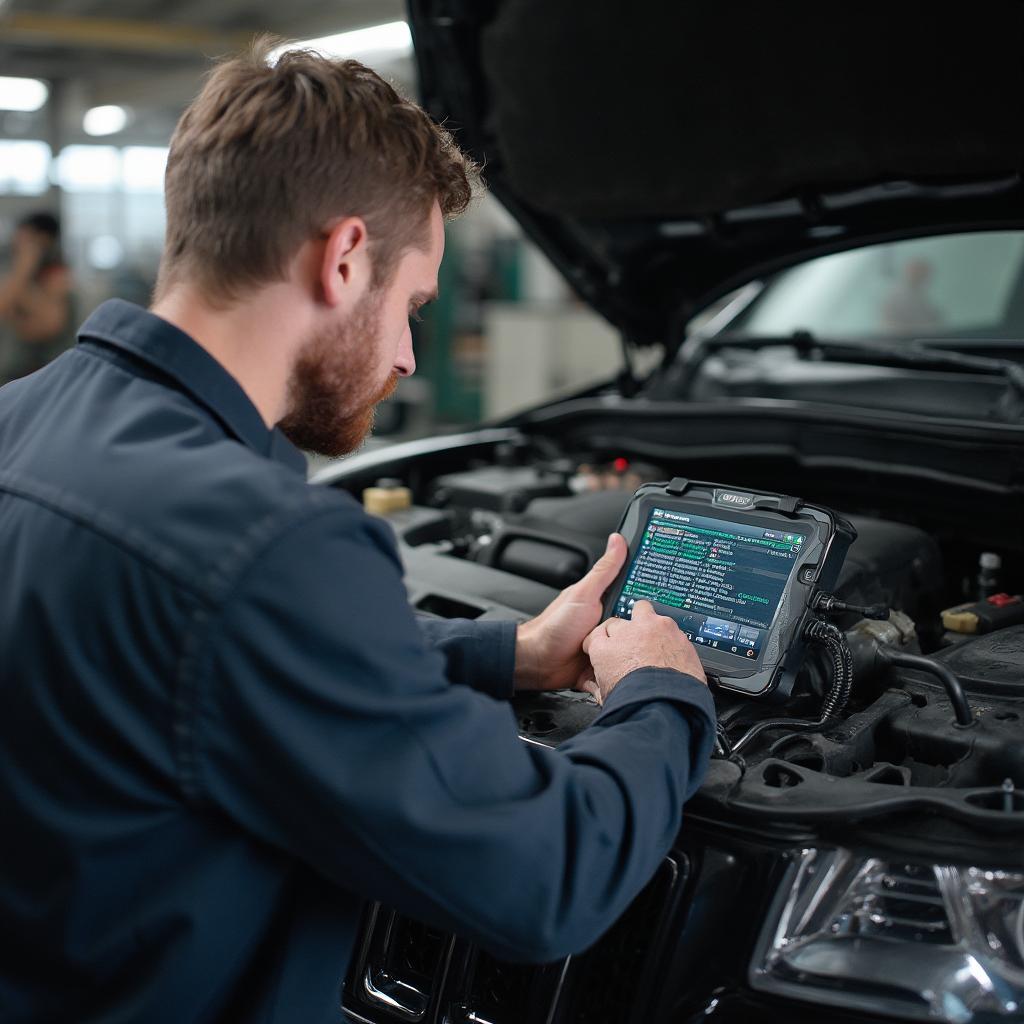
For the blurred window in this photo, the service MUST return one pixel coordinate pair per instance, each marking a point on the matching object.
(89, 168)
(105, 252)
(959, 285)
(143, 168)
(24, 167)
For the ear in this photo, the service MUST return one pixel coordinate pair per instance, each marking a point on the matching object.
(345, 268)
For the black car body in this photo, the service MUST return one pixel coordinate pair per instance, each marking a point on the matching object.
(674, 158)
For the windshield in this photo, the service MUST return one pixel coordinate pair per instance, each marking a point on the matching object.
(964, 286)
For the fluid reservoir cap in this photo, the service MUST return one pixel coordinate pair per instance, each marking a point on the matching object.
(387, 497)
(989, 560)
(388, 483)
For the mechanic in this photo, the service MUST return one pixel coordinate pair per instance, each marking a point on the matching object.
(222, 727)
(36, 298)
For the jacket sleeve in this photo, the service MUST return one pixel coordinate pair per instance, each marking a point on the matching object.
(477, 654)
(325, 726)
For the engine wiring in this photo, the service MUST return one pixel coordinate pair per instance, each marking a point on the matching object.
(824, 634)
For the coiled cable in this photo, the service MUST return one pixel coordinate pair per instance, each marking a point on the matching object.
(832, 639)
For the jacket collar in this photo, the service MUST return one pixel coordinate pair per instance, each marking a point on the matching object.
(130, 328)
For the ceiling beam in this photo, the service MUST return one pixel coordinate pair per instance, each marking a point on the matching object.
(172, 90)
(120, 35)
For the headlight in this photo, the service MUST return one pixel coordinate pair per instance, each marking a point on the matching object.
(926, 942)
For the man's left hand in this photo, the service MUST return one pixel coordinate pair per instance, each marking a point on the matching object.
(549, 652)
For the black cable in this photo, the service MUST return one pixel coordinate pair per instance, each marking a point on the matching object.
(828, 604)
(824, 633)
(955, 692)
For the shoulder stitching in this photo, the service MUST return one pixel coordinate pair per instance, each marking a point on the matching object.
(123, 535)
(222, 579)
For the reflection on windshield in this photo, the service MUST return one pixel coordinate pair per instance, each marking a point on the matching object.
(966, 285)
(908, 308)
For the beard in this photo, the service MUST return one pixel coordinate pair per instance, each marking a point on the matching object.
(331, 396)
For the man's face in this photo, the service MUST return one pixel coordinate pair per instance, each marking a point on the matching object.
(343, 372)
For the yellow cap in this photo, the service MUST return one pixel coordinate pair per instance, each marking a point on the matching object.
(960, 620)
(383, 501)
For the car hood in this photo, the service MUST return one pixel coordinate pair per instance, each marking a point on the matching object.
(662, 154)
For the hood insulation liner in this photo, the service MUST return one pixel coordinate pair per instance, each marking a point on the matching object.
(698, 108)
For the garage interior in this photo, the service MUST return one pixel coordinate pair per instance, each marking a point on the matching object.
(116, 77)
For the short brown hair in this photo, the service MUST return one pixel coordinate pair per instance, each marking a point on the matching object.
(268, 154)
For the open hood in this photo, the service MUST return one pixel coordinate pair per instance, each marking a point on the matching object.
(663, 153)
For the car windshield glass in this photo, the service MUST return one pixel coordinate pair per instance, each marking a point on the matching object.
(948, 286)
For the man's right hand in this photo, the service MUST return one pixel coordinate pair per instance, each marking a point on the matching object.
(647, 640)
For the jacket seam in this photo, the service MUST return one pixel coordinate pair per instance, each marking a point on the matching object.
(227, 575)
(122, 535)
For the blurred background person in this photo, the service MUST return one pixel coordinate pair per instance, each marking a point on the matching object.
(908, 308)
(36, 298)
(88, 101)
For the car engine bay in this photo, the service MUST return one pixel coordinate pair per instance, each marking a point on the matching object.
(933, 719)
(820, 822)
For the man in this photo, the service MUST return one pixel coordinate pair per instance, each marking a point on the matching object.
(222, 728)
(36, 298)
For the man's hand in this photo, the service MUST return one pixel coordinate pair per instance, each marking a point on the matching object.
(648, 640)
(549, 648)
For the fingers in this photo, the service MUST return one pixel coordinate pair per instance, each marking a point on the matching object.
(618, 646)
(602, 631)
(605, 569)
(588, 684)
(597, 634)
(642, 610)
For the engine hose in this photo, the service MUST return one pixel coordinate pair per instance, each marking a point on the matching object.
(722, 744)
(949, 681)
(828, 636)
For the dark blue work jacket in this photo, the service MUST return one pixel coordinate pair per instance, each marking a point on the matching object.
(222, 728)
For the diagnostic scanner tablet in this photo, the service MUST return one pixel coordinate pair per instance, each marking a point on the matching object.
(737, 570)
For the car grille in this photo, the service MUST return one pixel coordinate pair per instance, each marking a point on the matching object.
(502, 993)
(611, 973)
(407, 972)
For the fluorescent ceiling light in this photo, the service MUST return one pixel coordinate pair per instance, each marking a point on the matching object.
(104, 120)
(393, 38)
(25, 94)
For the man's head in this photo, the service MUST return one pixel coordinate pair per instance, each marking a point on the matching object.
(41, 232)
(317, 171)
(41, 223)
(351, 364)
